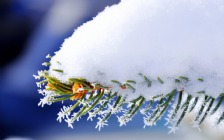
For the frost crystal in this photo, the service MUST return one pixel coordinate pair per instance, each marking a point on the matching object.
(70, 122)
(49, 97)
(101, 123)
(65, 112)
(173, 129)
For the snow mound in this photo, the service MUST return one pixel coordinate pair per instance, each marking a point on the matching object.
(157, 38)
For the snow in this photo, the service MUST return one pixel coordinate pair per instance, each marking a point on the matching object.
(157, 38)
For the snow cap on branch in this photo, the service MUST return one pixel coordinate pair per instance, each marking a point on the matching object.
(157, 38)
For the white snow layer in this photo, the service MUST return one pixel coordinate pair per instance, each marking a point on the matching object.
(158, 38)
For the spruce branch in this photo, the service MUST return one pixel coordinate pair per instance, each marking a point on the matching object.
(100, 100)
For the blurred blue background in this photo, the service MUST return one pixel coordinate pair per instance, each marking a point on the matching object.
(29, 30)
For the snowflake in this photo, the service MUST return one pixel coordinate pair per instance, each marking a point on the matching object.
(38, 84)
(36, 77)
(101, 123)
(91, 115)
(46, 100)
(41, 91)
(124, 119)
(173, 129)
(65, 112)
(143, 111)
(168, 121)
(61, 116)
(41, 73)
(70, 122)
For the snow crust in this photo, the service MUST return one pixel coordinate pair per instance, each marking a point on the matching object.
(158, 38)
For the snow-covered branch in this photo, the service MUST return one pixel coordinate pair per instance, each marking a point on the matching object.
(142, 54)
